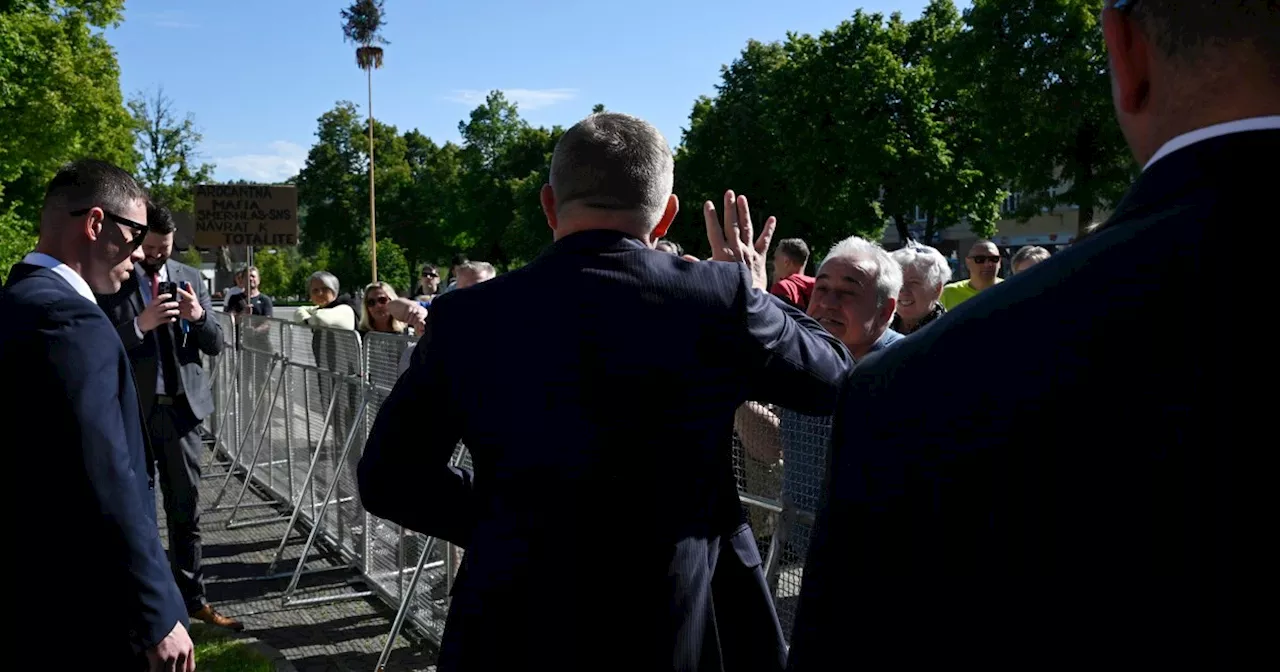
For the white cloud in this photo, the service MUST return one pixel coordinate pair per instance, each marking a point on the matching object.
(282, 161)
(525, 99)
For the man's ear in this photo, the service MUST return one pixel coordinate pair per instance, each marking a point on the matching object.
(668, 216)
(93, 223)
(888, 309)
(1129, 55)
(548, 198)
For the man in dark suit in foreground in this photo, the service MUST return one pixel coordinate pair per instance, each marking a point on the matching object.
(1072, 512)
(595, 389)
(104, 594)
(165, 336)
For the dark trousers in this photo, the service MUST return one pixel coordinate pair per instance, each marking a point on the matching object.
(177, 445)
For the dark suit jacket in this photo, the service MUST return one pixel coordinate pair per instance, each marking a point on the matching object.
(205, 336)
(595, 389)
(1071, 509)
(74, 426)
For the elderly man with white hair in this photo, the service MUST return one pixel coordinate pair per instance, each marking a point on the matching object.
(856, 295)
(924, 273)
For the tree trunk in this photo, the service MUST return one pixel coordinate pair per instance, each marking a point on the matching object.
(1086, 150)
(904, 233)
(931, 229)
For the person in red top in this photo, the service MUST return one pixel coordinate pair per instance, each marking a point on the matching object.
(789, 260)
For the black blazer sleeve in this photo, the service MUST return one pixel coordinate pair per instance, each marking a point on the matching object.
(91, 378)
(404, 474)
(794, 361)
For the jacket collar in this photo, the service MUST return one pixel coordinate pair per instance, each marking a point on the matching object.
(1213, 160)
(595, 241)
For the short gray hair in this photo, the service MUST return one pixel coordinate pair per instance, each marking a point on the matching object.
(483, 269)
(888, 273)
(926, 260)
(612, 161)
(1028, 253)
(327, 279)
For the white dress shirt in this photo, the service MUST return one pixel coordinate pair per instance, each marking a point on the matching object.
(1267, 123)
(144, 287)
(64, 271)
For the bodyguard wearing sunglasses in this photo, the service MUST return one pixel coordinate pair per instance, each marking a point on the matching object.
(76, 430)
(983, 262)
(163, 315)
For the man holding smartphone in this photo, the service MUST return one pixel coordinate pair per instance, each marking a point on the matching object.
(163, 316)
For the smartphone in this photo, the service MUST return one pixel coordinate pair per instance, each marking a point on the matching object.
(170, 288)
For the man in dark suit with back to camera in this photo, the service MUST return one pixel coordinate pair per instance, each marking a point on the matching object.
(1073, 512)
(604, 499)
(165, 335)
(103, 597)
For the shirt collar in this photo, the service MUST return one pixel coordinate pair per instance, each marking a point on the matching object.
(64, 271)
(1271, 122)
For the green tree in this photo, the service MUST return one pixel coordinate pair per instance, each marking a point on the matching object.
(331, 187)
(59, 100)
(394, 267)
(362, 25)
(167, 146)
(191, 257)
(736, 140)
(277, 270)
(1035, 78)
(425, 217)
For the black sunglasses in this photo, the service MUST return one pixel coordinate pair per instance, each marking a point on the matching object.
(140, 230)
(430, 274)
(376, 301)
(1123, 5)
(985, 259)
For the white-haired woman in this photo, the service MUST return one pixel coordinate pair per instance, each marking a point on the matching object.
(924, 273)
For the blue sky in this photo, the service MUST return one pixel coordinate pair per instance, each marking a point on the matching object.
(258, 74)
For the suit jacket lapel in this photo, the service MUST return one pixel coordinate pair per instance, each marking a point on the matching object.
(135, 297)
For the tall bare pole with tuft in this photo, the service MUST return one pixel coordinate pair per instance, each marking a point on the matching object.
(362, 25)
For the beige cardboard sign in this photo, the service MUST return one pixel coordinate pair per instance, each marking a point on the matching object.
(237, 215)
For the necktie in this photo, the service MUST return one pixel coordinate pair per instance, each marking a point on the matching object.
(165, 351)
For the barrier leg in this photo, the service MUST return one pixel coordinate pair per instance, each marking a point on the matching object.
(253, 462)
(307, 482)
(287, 600)
(257, 404)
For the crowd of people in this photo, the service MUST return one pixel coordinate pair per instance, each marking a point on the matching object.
(1071, 507)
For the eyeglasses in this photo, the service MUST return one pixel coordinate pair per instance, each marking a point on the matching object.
(430, 274)
(985, 259)
(376, 301)
(1123, 5)
(140, 230)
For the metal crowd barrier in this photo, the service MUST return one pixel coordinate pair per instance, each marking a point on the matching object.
(293, 408)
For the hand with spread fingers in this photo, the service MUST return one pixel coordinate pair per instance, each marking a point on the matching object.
(733, 240)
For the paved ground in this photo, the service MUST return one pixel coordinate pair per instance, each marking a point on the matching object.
(331, 637)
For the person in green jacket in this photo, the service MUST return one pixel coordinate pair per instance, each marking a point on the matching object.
(983, 262)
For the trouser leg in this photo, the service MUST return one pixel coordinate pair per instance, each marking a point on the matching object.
(177, 444)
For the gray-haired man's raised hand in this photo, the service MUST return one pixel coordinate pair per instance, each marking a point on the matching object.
(732, 241)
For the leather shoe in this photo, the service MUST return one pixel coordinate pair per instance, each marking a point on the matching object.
(211, 616)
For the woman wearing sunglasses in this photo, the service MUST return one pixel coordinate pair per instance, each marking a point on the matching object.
(375, 314)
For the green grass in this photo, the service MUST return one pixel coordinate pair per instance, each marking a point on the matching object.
(218, 651)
